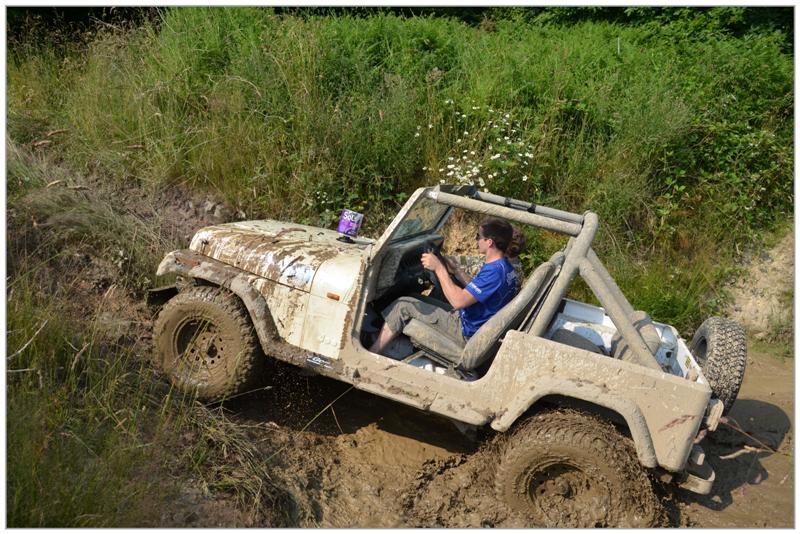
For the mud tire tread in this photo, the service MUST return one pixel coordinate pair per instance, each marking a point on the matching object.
(594, 446)
(725, 358)
(228, 380)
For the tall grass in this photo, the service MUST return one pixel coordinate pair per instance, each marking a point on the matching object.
(95, 437)
(682, 143)
(75, 455)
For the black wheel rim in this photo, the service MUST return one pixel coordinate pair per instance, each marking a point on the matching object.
(199, 344)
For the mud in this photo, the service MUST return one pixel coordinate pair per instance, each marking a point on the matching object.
(755, 489)
(369, 462)
(346, 458)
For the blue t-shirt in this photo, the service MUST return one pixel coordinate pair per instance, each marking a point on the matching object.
(493, 287)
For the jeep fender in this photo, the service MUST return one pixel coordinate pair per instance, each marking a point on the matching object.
(192, 265)
(592, 394)
(663, 412)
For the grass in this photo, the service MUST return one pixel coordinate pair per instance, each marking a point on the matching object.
(294, 117)
(780, 328)
(70, 420)
(95, 436)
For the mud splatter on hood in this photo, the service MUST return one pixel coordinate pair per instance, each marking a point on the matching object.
(287, 253)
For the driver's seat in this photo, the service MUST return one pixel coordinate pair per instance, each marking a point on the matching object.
(478, 348)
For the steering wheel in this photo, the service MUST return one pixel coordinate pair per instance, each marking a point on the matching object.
(434, 280)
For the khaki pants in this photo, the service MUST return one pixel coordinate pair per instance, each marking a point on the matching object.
(402, 310)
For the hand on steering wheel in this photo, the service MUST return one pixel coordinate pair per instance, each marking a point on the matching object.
(430, 260)
(432, 276)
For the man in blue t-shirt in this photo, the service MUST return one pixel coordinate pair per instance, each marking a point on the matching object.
(491, 289)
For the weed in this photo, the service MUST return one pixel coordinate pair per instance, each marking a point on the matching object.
(780, 328)
(92, 431)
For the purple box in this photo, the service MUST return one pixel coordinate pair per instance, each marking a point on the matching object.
(350, 222)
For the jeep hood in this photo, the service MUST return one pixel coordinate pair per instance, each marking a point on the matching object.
(290, 254)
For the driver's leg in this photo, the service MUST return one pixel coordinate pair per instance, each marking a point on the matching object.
(385, 337)
(401, 311)
(439, 302)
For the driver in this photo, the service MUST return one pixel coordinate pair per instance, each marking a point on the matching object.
(491, 289)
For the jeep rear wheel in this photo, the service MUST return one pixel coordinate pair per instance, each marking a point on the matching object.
(207, 344)
(720, 348)
(570, 469)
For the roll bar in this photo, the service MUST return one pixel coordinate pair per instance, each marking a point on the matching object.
(508, 211)
(579, 258)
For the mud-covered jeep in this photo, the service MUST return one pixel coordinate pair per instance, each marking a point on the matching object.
(597, 402)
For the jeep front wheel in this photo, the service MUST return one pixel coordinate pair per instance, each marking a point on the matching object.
(570, 469)
(206, 343)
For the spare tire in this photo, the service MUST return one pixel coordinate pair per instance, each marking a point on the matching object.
(720, 348)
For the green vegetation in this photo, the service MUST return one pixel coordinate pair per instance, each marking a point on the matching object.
(75, 454)
(676, 126)
(680, 139)
(95, 437)
(780, 329)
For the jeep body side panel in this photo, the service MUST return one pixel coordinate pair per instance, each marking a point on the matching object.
(528, 368)
(671, 407)
(329, 304)
(287, 306)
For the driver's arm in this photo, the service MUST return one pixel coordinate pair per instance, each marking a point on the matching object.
(457, 271)
(456, 296)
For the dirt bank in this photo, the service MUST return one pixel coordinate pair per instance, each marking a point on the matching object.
(763, 293)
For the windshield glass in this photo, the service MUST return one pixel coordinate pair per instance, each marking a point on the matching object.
(422, 218)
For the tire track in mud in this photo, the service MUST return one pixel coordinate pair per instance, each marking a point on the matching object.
(370, 462)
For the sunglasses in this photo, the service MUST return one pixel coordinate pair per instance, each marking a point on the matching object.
(478, 236)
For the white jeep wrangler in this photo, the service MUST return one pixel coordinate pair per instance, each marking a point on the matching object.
(597, 401)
